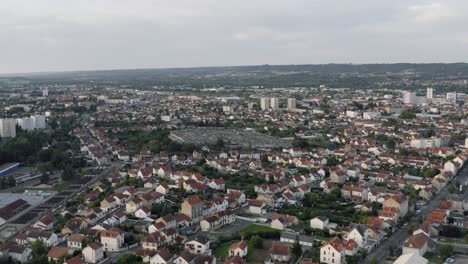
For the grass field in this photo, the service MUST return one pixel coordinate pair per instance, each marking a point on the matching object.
(222, 250)
(434, 259)
(257, 228)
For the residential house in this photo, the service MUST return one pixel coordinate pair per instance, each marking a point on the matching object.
(399, 202)
(198, 245)
(93, 253)
(319, 222)
(112, 240)
(333, 252)
(75, 241)
(55, 253)
(239, 248)
(280, 252)
(282, 221)
(46, 223)
(163, 256)
(257, 207)
(419, 243)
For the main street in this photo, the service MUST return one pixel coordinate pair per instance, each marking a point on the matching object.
(381, 253)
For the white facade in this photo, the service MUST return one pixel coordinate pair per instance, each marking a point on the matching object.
(352, 114)
(429, 142)
(39, 121)
(26, 123)
(291, 103)
(409, 97)
(31, 123)
(330, 255)
(7, 127)
(227, 109)
(452, 97)
(318, 223)
(430, 93)
(361, 239)
(91, 255)
(196, 247)
(265, 103)
(112, 243)
(274, 103)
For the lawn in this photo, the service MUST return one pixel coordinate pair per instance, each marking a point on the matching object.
(259, 255)
(434, 259)
(453, 241)
(257, 228)
(221, 251)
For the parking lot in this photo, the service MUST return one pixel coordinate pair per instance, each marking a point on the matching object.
(234, 137)
(227, 230)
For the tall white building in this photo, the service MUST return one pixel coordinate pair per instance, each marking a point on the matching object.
(227, 109)
(265, 103)
(291, 103)
(452, 97)
(26, 123)
(39, 121)
(31, 123)
(45, 92)
(409, 97)
(430, 93)
(274, 103)
(7, 127)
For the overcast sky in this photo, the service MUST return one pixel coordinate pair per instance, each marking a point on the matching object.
(63, 35)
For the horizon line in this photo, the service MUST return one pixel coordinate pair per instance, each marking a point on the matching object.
(23, 74)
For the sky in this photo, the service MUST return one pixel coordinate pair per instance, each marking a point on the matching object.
(67, 35)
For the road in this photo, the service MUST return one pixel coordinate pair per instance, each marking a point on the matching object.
(381, 253)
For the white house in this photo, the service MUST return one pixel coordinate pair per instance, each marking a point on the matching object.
(411, 258)
(93, 253)
(359, 234)
(17, 252)
(319, 222)
(419, 243)
(112, 239)
(238, 249)
(332, 252)
(133, 205)
(257, 207)
(75, 241)
(163, 256)
(143, 212)
(199, 245)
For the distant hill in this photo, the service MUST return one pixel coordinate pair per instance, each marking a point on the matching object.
(334, 75)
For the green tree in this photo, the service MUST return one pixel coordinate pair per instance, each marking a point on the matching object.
(296, 249)
(373, 261)
(391, 249)
(411, 228)
(257, 242)
(38, 248)
(68, 173)
(446, 251)
(129, 259)
(39, 260)
(44, 178)
(390, 143)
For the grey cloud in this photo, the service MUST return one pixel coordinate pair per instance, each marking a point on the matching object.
(55, 35)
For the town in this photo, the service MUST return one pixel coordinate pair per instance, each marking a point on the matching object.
(107, 174)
